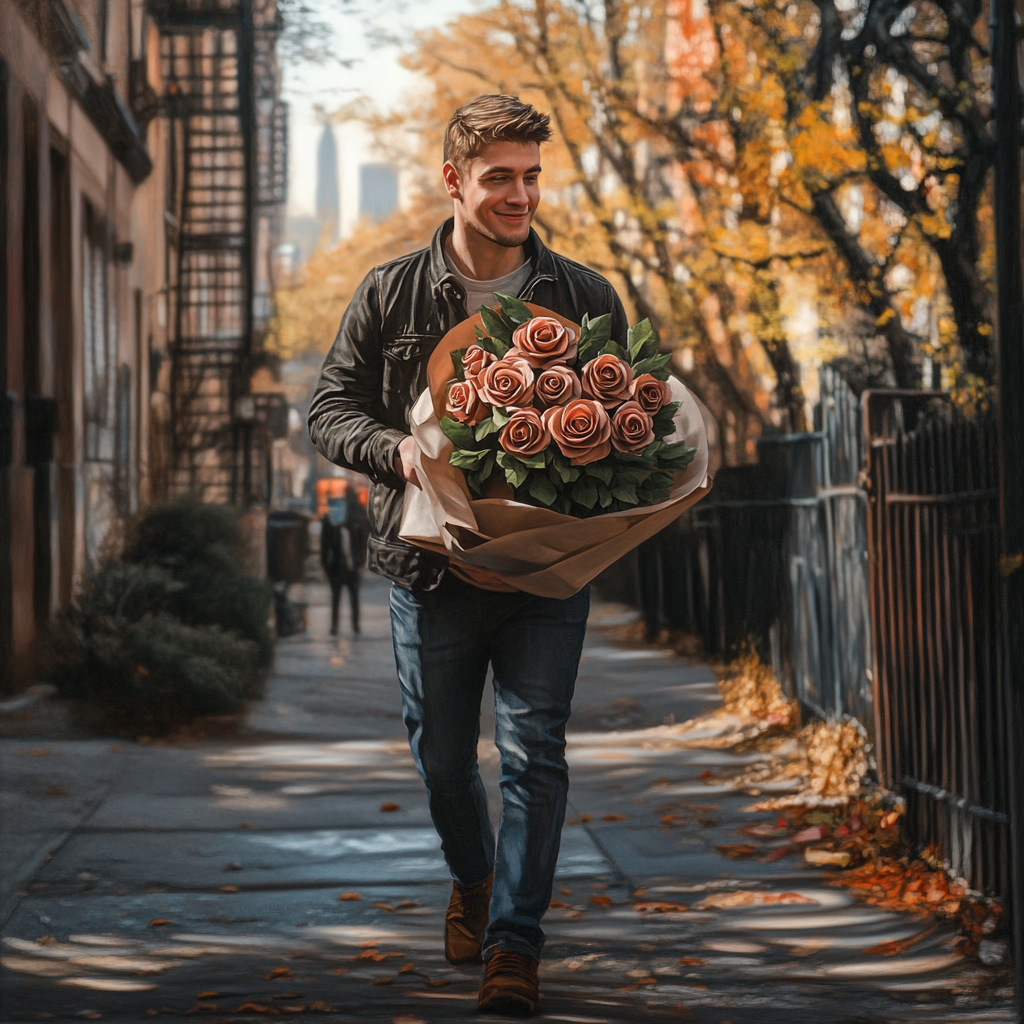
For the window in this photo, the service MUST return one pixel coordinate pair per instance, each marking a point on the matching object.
(100, 343)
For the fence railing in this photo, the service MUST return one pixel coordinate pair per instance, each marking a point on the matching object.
(862, 560)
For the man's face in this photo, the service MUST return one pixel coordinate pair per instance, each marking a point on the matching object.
(497, 192)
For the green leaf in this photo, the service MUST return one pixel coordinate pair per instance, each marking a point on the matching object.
(499, 416)
(480, 476)
(543, 489)
(604, 496)
(656, 366)
(515, 472)
(613, 348)
(460, 371)
(497, 329)
(625, 493)
(462, 459)
(514, 309)
(533, 461)
(627, 477)
(584, 492)
(566, 473)
(663, 420)
(488, 344)
(639, 335)
(460, 434)
(600, 470)
(679, 450)
(485, 428)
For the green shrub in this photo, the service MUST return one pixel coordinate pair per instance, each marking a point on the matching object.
(172, 630)
(203, 548)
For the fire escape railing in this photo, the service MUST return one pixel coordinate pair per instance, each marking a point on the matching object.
(221, 91)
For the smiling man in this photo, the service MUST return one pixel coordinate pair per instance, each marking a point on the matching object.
(449, 627)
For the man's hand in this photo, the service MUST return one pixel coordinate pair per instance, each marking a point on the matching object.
(405, 461)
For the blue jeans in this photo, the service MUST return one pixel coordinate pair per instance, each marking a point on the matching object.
(444, 640)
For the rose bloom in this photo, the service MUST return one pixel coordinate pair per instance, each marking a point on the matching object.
(508, 383)
(607, 380)
(632, 429)
(525, 434)
(474, 361)
(581, 430)
(543, 341)
(650, 393)
(464, 403)
(557, 385)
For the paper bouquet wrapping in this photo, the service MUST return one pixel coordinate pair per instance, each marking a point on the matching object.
(527, 546)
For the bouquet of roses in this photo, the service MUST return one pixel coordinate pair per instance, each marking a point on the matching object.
(545, 451)
(570, 420)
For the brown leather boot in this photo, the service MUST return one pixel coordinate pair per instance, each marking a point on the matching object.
(466, 922)
(510, 985)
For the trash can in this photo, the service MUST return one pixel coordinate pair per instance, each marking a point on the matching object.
(287, 543)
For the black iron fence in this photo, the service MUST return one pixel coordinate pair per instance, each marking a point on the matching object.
(862, 560)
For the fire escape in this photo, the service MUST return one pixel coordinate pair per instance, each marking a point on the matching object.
(228, 137)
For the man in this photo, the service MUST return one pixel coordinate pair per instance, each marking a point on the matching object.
(447, 626)
(342, 550)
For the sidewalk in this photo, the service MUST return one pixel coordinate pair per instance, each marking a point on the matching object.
(293, 870)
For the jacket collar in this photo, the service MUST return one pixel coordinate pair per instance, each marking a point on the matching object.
(537, 253)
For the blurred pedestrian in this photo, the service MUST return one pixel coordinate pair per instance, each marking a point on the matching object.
(342, 550)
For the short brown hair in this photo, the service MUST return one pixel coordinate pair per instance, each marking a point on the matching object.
(492, 118)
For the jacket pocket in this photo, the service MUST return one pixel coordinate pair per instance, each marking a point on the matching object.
(405, 370)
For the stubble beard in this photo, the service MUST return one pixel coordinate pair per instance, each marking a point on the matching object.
(506, 241)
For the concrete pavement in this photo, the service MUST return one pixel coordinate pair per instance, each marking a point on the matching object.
(292, 870)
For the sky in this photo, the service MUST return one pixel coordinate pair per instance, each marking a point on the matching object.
(374, 73)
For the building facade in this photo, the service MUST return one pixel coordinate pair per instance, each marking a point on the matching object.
(129, 324)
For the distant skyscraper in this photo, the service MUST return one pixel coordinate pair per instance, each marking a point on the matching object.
(378, 190)
(328, 206)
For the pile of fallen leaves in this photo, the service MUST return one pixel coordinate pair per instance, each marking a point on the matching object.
(831, 760)
(749, 689)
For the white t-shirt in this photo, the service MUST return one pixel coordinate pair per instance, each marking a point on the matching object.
(481, 293)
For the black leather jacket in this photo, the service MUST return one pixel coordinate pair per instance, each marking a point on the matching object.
(376, 370)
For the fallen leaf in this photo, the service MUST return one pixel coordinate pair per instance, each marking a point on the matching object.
(896, 947)
(158, 921)
(810, 835)
(253, 1008)
(640, 891)
(346, 897)
(752, 898)
(660, 782)
(572, 821)
(558, 905)
(692, 961)
(382, 981)
(200, 1007)
(890, 819)
(584, 818)
(759, 831)
(842, 831)
(294, 1009)
(406, 968)
(827, 858)
(659, 907)
(613, 817)
(89, 1014)
(208, 995)
(39, 752)
(278, 972)
(673, 819)
(600, 901)
(437, 982)
(565, 892)
(229, 888)
(340, 970)
(45, 940)
(321, 1006)
(706, 774)
(737, 851)
(385, 906)
(778, 854)
(388, 807)
(408, 904)
(371, 954)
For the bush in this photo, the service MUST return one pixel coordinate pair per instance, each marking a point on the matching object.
(172, 630)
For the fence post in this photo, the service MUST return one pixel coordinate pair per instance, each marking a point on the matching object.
(1010, 297)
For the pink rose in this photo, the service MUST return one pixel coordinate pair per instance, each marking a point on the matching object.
(650, 393)
(464, 403)
(632, 429)
(474, 361)
(607, 379)
(525, 434)
(508, 383)
(581, 430)
(543, 341)
(557, 385)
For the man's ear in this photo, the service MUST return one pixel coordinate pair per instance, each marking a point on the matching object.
(452, 180)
